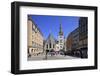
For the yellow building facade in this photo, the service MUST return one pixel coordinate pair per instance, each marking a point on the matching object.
(35, 38)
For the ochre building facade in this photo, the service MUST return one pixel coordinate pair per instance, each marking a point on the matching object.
(35, 38)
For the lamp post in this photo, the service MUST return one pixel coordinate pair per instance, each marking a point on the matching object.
(46, 54)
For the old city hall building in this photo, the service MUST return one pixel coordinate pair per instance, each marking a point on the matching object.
(55, 44)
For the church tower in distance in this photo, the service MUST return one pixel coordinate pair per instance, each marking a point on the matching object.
(61, 38)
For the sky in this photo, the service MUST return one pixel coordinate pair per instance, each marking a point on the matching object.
(50, 24)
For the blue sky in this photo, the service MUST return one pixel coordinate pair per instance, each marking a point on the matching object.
(50, 24)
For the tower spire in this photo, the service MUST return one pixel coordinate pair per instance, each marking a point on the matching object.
(60, 28)
(60, 32)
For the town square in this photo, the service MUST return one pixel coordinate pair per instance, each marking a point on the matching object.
(65, 38)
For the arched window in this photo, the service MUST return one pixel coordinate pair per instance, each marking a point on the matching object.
(32, 50)
(50, 45)
(53, 46)
(47, 46)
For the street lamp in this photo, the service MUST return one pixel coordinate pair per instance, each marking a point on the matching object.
(46, 54)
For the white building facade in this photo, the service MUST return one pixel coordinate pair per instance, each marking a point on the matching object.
(57, 45)
(61, 40)
(50, 43)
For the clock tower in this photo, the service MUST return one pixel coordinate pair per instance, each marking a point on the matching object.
(61, 38)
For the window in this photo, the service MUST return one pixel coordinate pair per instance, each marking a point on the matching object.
(60, 46)
(60, 41)
(50, 45)
(47, 46)
(53, 45)
(32, 50)
(60, 36)
(33, 27)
